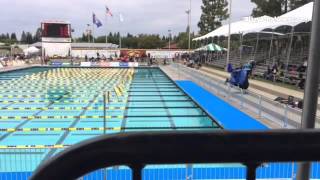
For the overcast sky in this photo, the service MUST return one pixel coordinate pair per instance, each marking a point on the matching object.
(140, 16)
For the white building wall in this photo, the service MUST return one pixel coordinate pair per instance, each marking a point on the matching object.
(56, 49)
(160, 54)
(81, 53)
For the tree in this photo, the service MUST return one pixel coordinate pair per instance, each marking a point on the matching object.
(182, 40)
(297, 3)
(2, 37)
(275, 7)
(270, 8)
(23, 38)
(213, 13)
(29, 38)
(37, 36)
(13, 37)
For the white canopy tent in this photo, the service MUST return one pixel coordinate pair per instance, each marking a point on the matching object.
(31, 50)
(253, 25)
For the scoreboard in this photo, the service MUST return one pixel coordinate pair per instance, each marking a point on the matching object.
(56, 38)
(56, 30)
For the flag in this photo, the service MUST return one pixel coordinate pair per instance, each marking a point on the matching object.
(96, 21)
(121, 17)
(108, 11)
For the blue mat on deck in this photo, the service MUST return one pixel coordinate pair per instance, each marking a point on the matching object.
(228, 116)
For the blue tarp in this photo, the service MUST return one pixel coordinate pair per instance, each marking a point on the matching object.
(228, 116)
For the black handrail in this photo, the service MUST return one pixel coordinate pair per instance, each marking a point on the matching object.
(145, 148)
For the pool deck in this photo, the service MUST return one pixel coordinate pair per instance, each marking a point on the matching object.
(13, 68)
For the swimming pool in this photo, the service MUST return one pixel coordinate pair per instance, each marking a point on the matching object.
(44, 110)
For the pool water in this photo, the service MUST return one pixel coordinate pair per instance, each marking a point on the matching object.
(44, 110)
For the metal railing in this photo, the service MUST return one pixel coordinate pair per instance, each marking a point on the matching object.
(261, 107)
(136, 150)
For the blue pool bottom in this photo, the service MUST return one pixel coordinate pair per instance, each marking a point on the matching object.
(231, 119)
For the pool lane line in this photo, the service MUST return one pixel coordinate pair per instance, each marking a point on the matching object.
(44, 88)
(25, 121)
(29, 118)
(164, 104)
(74, 91)
(42, 130)
(55, 101)
(94, 108)
(75, 122)
(57, 129)
(125, 119)
(55, 146)
(118, 92)
(86, 101)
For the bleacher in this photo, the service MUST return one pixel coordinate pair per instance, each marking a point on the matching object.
(264, 60)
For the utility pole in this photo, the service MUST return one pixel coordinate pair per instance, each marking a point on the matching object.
(190, 11)
(169, 31)
(229, 35)
(88, 32)
(310, 102)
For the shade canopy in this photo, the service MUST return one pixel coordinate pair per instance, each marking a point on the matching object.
(252, 25)
(211, 47)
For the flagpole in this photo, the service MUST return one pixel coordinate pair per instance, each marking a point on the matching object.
(106, 31)
(92, 32)
(120, 38)
(120, 30)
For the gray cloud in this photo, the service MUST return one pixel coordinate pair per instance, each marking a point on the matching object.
(141, 16)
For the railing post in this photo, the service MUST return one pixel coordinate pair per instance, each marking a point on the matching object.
(285, 122)
(242, 99)
(178, 68)
(189, 174)
(229, 92)
(105, 101)
(260, 106)
(137, 171)
(251, 171)
(293, 175)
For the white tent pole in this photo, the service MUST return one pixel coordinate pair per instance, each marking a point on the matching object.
(289, 53)
(271, 45)
(211, 57)
(207, 53)
(229, 35)
(241, 49)
(256, 48)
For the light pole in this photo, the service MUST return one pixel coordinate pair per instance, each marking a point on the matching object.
(190, 6)
(88, 32)
(229, 35)
(169, 31)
